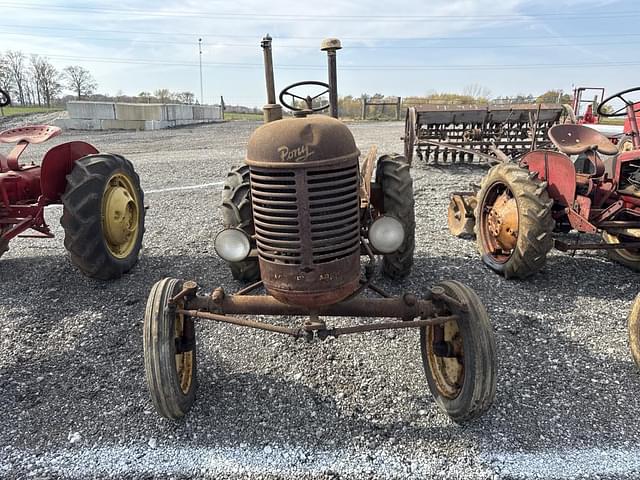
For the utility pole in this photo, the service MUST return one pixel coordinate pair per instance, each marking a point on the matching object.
(201, 91)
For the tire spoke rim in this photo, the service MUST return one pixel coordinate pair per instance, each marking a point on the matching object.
(629, 254)
(184, 360)
(447, 372)
(120, 215)
(499, 223)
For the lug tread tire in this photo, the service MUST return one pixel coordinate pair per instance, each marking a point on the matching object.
(159, 353)
(394, 175)
(82, 213)
(479, 387)
(535, 222)
(237, 212)
(634, 330)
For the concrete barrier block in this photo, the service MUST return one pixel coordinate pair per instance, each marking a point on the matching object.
(123, 124)
(91, 110)
(138, 111)
(78, 124)
(179, 112)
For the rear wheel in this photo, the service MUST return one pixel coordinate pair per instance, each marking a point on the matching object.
(513, 221)
(169, 344)
(103, 216)
(459, 357)
(237, 212)
(629, 257)
(394, 176)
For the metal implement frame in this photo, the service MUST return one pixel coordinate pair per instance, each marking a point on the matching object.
(412, 312)
(444, 133)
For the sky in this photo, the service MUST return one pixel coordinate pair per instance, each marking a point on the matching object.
(401, 48)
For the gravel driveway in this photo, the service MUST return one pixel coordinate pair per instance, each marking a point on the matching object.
(74, 401)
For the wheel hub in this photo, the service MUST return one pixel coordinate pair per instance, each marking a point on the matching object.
(502, 222)
(120, 216)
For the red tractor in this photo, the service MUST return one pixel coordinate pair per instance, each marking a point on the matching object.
(103, 214)
(521, 204)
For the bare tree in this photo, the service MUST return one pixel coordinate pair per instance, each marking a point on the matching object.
(476, 91)
(46, 78)
(163, 95)
(5, 75)
(185, 97)
(79, 80)
(15, 64)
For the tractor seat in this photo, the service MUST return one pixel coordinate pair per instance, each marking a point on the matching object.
(576, 139)
(30, 134)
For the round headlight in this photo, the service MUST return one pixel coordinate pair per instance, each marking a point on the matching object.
(232, 245)
(386, 234)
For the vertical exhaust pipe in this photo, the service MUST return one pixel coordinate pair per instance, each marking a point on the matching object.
(331, 45)
(271, 111)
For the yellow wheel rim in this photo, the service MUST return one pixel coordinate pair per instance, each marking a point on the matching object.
(632, 255)
(120, 215)
(447, 372)
(184, 360)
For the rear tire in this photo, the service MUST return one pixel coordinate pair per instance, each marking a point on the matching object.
(463, 381)
(394, 176)
(531, 237)
(171, 375)
(103, 216)
(237, 212)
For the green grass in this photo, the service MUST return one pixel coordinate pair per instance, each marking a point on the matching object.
(9, 111)
(242, 116)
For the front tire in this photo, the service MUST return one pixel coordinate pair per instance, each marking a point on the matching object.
(459, 357)
(514, 225)
(630, 258)
(634, 330)
(169, 344)
(103, 216)
(394, 176)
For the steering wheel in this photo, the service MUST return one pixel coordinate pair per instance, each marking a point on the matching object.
(621, 112)
(5, 99)
(308, 99)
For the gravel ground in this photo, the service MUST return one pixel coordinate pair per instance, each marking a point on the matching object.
(74, 398)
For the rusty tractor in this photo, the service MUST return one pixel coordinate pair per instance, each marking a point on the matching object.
(103, 214)
(519, 205)
(444, 134)
(300, 215)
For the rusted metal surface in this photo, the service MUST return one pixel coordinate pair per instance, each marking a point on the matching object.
(272, 111)
(404, 307)
(305, 197)
(449, 133)
(460, 213)
(577, 139)
(331, 46)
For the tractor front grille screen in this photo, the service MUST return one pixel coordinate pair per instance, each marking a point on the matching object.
(321, 205)
(334, 209)
(275, 215)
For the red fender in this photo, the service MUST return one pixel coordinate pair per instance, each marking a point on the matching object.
(557, 170)
(57, 164)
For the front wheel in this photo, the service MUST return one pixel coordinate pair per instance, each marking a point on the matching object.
(634, 330)
(459, 357)
(103, 216)
(169, 344)
(629, 257)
